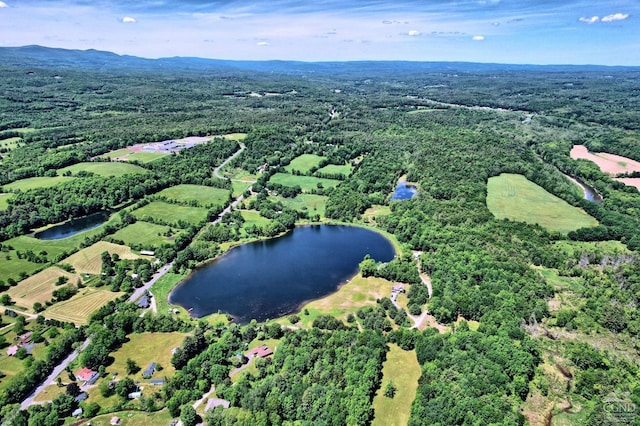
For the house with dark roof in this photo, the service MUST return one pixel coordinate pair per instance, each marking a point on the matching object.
(144, 302)
(148, 372)
(215, 402)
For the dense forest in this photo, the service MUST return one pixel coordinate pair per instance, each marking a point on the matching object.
(533, 314)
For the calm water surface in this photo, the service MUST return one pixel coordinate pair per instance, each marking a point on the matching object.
(73, 227)
(404, 191)
(273, 278)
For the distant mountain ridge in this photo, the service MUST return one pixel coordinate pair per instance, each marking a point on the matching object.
(56, 58)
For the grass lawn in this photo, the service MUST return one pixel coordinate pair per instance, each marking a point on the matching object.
(307, 183)
(79, 308)
(12, 267)
(36, 182)
(204, 195)
(235, 136)
(304, 163)
(252, 217)
(402, 368)
(89, 261)
(126, 154)
(162, 288)
(372, 213)
(112, 168)
(4, 198)
(514, 197)
(134, 418)
(311, 203)
(171, 213)
(238, 188)
(334, 169)
(39, 287)
(149, 235)
(355, 294)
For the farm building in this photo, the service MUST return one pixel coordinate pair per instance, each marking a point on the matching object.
(148, 372)
(87, 376)
(82, 397)
(147, 252)
(260, 351)
(157, 382)
(215, 402)
(13, 350)
(25, 338)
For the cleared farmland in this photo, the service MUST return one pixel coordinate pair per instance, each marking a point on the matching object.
(79, 308)
(513, 197)
(88, 260)
(112, 168)
(334, 169)
(310, 203)
(307, 183)
(304, 163)
(148, 235)
(4, 200)
(204, 195)
(171, 213)
(126, 154)
(39, 287)
(36, 182)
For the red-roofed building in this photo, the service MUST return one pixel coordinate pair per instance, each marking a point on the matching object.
(25, 338)
(86, 375)
(260, 351)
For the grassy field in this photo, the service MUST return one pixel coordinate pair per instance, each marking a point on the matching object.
(134, 418)
(372, 213)
(162, 288)
(112, 168)
(235, 136)
(126, 154)
(149, 235)
(39, 287)
(304, 163)
(252, 217)
(79, 308)
(307, 183)
(205, 195)
(88, 260)
(12, 267)
(239, 188)
(403, 369)
(4, 198)
(334, 169)
(36, 182)
(516, 198)
(311, 203)
(171, 213)
(10, 143)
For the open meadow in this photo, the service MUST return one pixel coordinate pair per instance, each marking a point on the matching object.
(307, 183)
(334, 169)
(4, 200)
(511, 196)
(161, 289)
(171, 213)
(79, 308)
(126, 154)
(145, 234)
(204, 195)
(304, 163)
(403, 370)
(89, 261)
(39, 287)
(113, 168)
(35, 182)
(310, 203)
(11, 267)
(10, 143)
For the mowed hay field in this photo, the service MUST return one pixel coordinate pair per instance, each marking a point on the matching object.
(311, 203)
(304, 163)
(36, 182)
(148, 235)
(104, 169)
(39, 287)
(334, 169)
(511, 196)
(89, 261)
(126, 154)
(402, 368)
(205, 195)
(4, 200)
(307, 183)
(171, 213)
(79, 308)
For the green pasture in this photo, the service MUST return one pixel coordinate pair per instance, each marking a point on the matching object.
(235, 136)
(4, 201)
(252, 217)
(307, 183)
(12, 267)
(511, 196)
(311, 203)
(239, 187)
(402, 368)
(113, 168)
(573, 248)
(10, 143)
(162, 288)
(148, 235)
(304, 163)
(344, 170)
(36, 182)
(171, 213)
(204, 195)
(127, 154)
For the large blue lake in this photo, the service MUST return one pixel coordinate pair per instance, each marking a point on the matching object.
(273, 278)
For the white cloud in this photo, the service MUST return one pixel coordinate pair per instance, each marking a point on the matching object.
(128, 20)
(262, 43)
(414, 33)
(478, 37)
(591, 20)
(3, 4)
(615, 17)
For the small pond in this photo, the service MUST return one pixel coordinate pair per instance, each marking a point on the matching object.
(404, 191)
(273, 278)
(73, 227)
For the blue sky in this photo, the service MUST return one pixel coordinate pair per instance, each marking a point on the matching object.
(506, 31)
